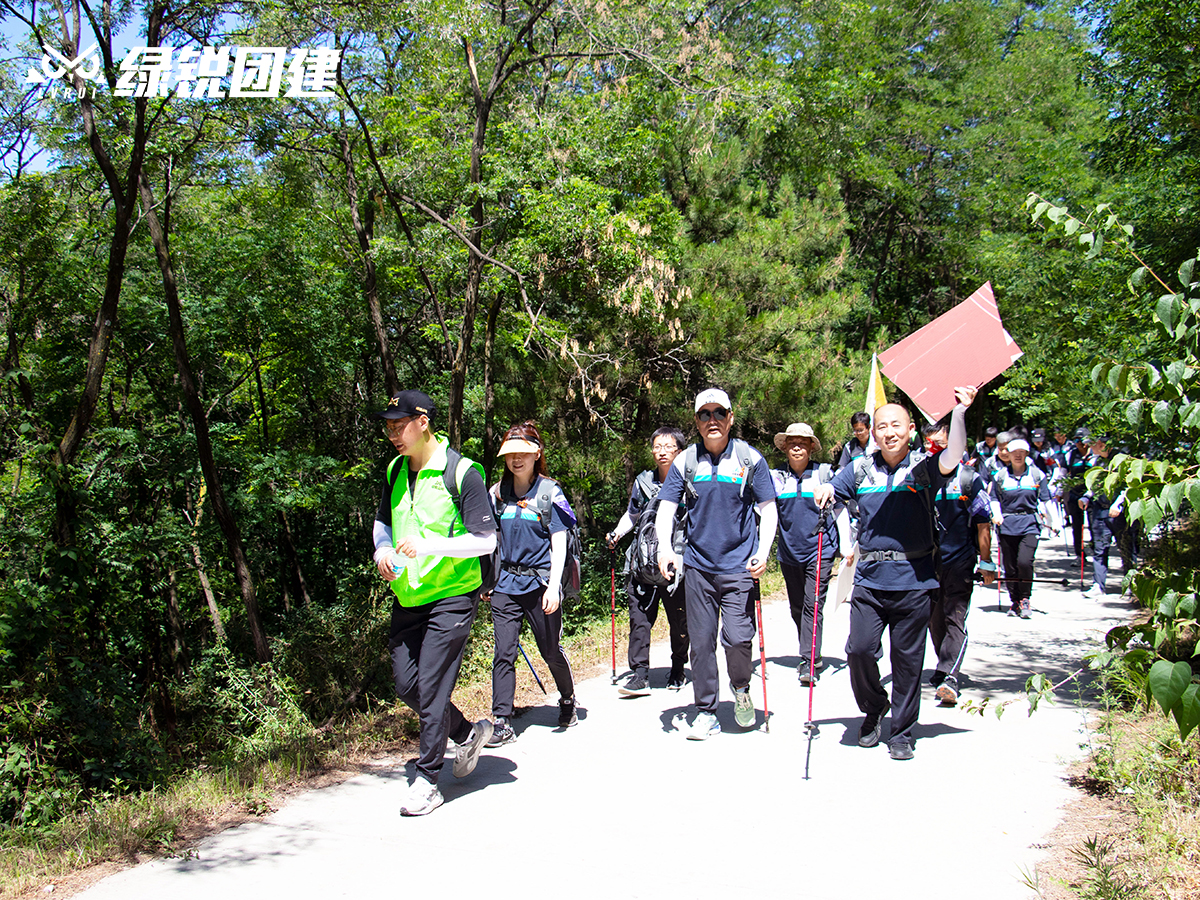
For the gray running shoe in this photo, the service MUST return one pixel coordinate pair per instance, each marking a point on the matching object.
(467, 755)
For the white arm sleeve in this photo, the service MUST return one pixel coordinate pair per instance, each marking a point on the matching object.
(768, 520)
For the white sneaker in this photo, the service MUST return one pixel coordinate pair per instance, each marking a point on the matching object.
(467, 755)
(423, 798)
(705, 726)
(1094, 591)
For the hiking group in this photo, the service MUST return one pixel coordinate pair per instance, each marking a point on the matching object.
(913, 518)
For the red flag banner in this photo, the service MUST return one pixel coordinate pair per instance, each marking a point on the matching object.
(965, 346)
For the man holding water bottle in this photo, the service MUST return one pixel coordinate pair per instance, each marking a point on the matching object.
(427, 546)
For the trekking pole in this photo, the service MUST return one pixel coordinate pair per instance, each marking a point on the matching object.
(810, 727)
(762, 656)
(612, 573)
(999, 575)
(531, 668)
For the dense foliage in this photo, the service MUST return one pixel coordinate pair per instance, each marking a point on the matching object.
(573, 211)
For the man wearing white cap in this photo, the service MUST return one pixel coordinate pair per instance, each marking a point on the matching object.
(726, 482)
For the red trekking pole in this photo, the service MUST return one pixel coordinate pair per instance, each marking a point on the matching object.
(762, 655)
(612, 572)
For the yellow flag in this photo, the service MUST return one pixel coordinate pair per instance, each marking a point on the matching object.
(875, 394)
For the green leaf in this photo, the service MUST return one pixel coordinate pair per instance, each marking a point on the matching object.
(1133, 413)
(1138, 278)
(1100, 373)
(1096, 244)
(1173, 496)
(1092, 476)
(1193, 493)
(1186, 607)
(1168, 681)
(1187, 711)
(1071, 226)
(1039, 209)
(1175, 372)
(1167, 312)
(1189, 415)
(1116, 378)
(1166, 606)
(1185, 272)
(1137, 469)
(1153, 376)
(1152, 513)
(1163, 414)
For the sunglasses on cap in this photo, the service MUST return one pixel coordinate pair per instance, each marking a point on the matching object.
(720, 414)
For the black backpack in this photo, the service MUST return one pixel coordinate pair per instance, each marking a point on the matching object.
(643, 551)
(543, 506)
(452, 476)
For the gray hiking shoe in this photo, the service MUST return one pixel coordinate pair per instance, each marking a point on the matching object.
(743, 707)
(467, 755)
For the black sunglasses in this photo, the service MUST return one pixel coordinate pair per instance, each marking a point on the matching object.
(720, 414)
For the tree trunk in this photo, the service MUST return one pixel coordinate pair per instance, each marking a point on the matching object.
(221, 508)
(175, 625)
(370, 291)
(489, 386)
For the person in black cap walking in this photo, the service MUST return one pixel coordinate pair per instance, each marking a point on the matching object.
(427, 547)
(1077, 460)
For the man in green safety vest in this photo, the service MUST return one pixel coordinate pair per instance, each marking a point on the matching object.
(434, 522)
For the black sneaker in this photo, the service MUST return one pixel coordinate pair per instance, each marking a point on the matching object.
(676, 681)
(872, 727)
(502, 733)
(636, 686)
(900, 749)
(566, 713)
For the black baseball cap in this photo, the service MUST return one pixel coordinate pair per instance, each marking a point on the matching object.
(408, 403)
(1082, 434)
(1038, 434)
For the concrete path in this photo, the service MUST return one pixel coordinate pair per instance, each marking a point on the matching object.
(622, 806)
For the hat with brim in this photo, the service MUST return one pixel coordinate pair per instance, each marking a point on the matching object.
(405, 404)
(712, 395)
(1018, 444)
(519, 445)
(797, 429)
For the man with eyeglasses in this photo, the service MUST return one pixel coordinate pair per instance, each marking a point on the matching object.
(666, 444)
(427, 547)
(731, 525)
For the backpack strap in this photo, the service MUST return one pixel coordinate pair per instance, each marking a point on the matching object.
(746, 457)
(691, 460)
(452, 476)
(645, 483)
(824, 473)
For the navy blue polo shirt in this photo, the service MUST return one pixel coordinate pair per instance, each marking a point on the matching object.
(893, 516)
(1018, 498)
(524, 538)
(798, 517)
(722, 529)
(959, 513)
